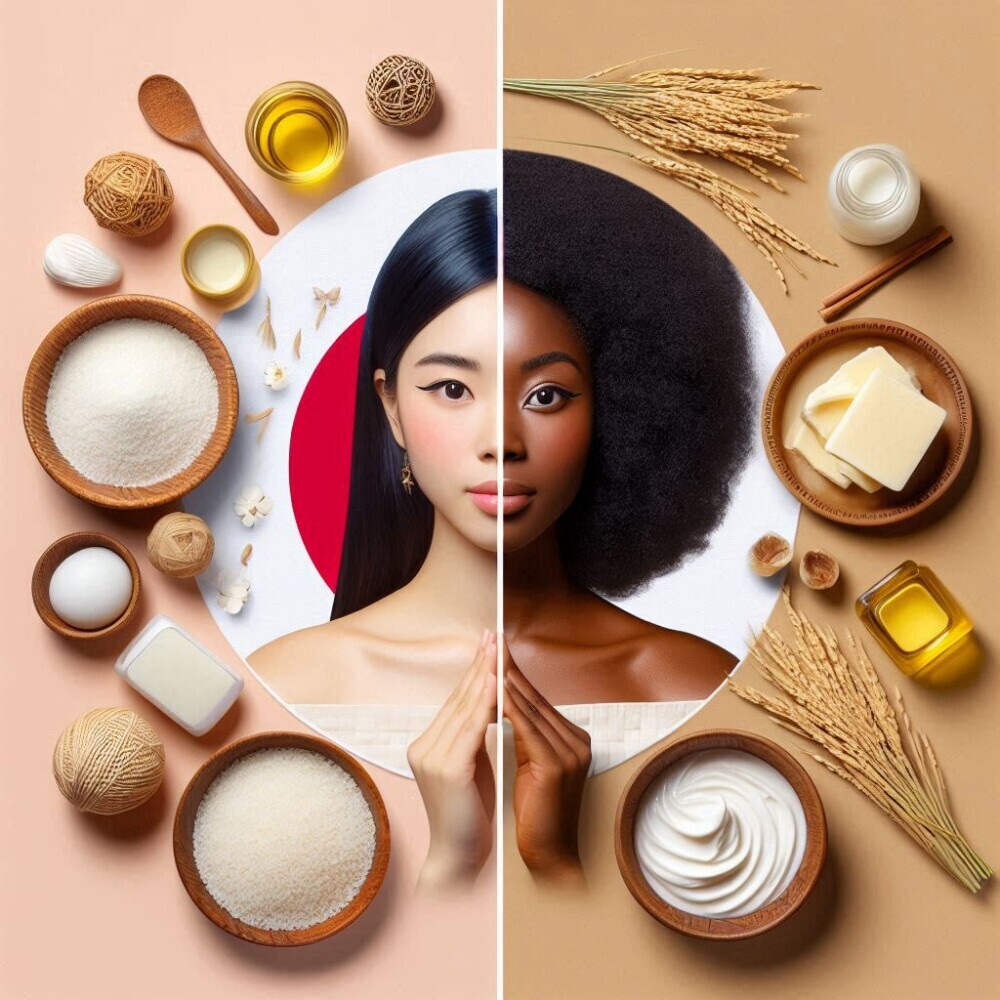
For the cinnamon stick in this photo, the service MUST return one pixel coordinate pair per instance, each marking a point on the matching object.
(844, 298)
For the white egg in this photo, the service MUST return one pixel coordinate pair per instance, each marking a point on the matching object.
(91, 588)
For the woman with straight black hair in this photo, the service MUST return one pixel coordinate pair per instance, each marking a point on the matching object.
(416, 588)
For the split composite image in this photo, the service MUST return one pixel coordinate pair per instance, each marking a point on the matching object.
(500, 501)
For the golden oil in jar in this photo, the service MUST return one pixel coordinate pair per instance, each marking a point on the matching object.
(297, 132)
(918, 622)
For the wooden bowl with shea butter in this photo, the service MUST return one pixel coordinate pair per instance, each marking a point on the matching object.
(811, 363)
(38, 379)
(721, 928)
(187, 811)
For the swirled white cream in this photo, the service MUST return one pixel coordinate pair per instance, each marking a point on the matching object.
(721, 833)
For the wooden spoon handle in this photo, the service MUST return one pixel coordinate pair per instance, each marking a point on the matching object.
(247, 198)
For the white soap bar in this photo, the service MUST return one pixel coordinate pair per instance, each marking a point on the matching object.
(179, 676)
(886, 430)
(805, 442)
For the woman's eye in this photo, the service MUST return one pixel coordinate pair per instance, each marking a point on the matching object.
(449, 389)
(548, 398)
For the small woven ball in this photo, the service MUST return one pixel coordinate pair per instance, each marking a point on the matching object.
(400, 90)
(128, 193)
(108, 761)
(180, 545)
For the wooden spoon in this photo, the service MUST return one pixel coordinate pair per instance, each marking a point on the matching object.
(168, 108)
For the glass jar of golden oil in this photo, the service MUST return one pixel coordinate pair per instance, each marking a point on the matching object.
(297, 132)
(918, 622)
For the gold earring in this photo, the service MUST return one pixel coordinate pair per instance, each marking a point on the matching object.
(406, 475)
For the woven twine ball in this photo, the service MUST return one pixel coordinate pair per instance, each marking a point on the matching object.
(128, 193)
(400, 90)
(108, 761)
(180, 545)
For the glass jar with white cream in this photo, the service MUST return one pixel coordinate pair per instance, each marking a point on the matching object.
(874, 195)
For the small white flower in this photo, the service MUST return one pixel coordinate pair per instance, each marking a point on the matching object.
(252, 504)
(275, 377)
(233, 594)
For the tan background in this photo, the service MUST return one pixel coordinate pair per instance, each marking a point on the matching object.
(884, 921)
(94, 908)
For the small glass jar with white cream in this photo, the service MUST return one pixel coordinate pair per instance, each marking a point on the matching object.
(218, 263)
(874, 195)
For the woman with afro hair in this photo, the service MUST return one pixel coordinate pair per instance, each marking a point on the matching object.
(628, 416)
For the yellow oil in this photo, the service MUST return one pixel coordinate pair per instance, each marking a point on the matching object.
(297, 132)
(912, 617)
(918, 622)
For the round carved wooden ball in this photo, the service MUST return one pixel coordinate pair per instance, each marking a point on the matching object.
(400, 90)
(180, 545)
(108, 761)
(128, 193)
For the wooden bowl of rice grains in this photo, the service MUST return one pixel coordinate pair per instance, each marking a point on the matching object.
(130, 401)
(281, 839)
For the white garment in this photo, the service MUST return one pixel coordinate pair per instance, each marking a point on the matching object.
(381, 733)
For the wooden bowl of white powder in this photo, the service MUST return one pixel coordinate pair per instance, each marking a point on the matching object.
(130, 401)
(281, 839)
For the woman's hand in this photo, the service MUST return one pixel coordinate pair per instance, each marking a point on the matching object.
(455, 777)
(552, 757)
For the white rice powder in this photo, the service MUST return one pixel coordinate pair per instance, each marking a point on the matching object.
(283, 839)
(132, 402)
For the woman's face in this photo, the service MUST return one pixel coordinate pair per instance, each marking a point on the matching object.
(443, 411)
(548, 414)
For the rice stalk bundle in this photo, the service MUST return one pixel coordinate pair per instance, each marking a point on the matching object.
(843, 708)
(725, 114)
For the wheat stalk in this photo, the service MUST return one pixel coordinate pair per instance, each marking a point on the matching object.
(721, 113)
(844, 709)
(766, 234)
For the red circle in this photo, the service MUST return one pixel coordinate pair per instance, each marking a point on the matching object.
(319, 459)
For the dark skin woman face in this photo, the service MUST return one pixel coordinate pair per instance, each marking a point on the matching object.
(548, 414)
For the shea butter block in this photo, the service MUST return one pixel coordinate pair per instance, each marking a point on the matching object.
(827, 404)
(886, 430)
(179, 676)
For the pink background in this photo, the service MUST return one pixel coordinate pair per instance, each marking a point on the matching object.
(94, 907)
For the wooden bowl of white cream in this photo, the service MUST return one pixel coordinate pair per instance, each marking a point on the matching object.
(720, 835)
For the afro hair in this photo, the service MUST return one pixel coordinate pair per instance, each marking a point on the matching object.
(663, 315)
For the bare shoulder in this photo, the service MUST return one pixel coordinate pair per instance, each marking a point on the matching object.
(668, 664)
(313, 665)
(695, 666)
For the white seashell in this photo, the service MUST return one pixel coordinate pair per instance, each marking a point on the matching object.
(75, 261)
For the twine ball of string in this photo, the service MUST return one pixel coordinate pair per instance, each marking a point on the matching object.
(400, 90)
(128, 193)
(180, 545)
(108, 761)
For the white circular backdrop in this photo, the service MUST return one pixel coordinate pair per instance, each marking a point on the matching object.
(344, 243)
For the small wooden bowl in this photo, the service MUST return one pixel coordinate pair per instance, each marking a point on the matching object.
(814, 360)
(59, 550)
(716, 928)
(36, 391)
(187, 809)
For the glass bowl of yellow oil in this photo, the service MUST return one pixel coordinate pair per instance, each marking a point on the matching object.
(297, 132)
(920, 624)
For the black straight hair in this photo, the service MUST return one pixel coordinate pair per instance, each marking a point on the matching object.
(447, 252)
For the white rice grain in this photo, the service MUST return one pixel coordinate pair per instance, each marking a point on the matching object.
(283, 839)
